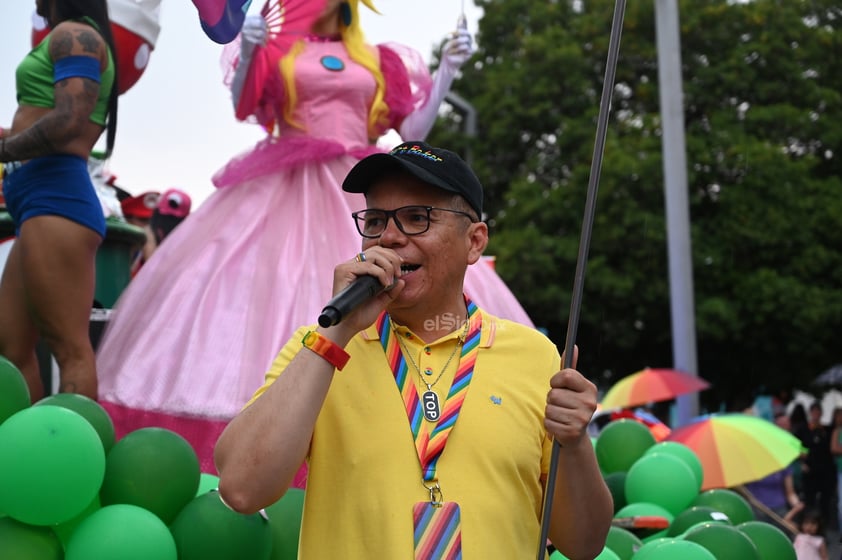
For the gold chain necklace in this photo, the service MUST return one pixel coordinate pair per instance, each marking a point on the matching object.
(429, 399)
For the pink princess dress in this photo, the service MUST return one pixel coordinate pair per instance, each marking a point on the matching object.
(194, 332)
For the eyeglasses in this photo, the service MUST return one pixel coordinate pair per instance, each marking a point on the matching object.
(411, 220)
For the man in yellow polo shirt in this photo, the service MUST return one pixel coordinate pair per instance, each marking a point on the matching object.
(426, 423)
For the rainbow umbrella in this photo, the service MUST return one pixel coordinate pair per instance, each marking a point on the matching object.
(737, 448)
(651, 385)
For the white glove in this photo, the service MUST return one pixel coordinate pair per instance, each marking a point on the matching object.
(455, 52)
(253, 33)
(458, 49)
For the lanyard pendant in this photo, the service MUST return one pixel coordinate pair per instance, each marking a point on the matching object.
(430, 405)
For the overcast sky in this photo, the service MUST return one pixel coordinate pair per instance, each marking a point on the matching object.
(176, 125)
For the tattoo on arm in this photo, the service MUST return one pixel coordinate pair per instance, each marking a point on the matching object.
(74, 100)
(32, 142)
(90, 41)
(61, 43)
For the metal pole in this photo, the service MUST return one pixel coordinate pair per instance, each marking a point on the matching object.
(584, 245)
(676, 201)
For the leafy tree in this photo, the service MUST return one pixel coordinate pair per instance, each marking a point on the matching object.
(762, 83)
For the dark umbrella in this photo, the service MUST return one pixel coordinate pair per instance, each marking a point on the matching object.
(831, 376)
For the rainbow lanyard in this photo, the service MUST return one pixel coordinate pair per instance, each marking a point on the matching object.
(430, 444)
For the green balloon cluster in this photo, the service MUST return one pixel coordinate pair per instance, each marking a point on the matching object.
(70, 491)
(664, 480)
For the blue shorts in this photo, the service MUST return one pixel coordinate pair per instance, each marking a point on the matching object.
(57, 185)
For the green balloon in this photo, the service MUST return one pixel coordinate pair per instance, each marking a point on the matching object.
(19, 541)
(90, 410)
(51, 467)
(207, 530)
(728, 502)
(153, 468)
(14, 393)
(285, 522)
(693, 516)
(663, 479)
(675, 549)
(726, 542)
(685, 454)
(771, 542)
(621, 443)
(623, 542)
(207, 482)
(616, 483)
(121, 531)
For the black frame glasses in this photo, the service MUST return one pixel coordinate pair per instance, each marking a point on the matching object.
(411, 220)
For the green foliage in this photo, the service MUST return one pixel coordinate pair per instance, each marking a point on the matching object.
(762, 100)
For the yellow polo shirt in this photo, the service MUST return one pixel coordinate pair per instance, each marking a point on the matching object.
(364, 472)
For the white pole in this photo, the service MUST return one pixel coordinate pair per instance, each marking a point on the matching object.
(677, 205)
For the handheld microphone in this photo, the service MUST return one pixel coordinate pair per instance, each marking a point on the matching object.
(355, 294)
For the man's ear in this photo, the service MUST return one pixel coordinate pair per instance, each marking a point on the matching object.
(477, 240)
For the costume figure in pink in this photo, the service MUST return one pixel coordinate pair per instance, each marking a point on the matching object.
(196, 330)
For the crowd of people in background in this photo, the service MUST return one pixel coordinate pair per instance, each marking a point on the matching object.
(804, 498)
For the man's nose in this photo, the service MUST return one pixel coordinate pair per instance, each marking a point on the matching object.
(391, 233)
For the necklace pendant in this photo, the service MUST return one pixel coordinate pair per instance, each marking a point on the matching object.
(430, 405)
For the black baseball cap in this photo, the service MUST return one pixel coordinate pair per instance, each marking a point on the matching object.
(436, 166)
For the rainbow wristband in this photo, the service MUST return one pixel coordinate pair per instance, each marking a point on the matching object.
(326, 348)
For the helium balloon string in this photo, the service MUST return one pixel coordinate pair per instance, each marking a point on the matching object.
(584, 244)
